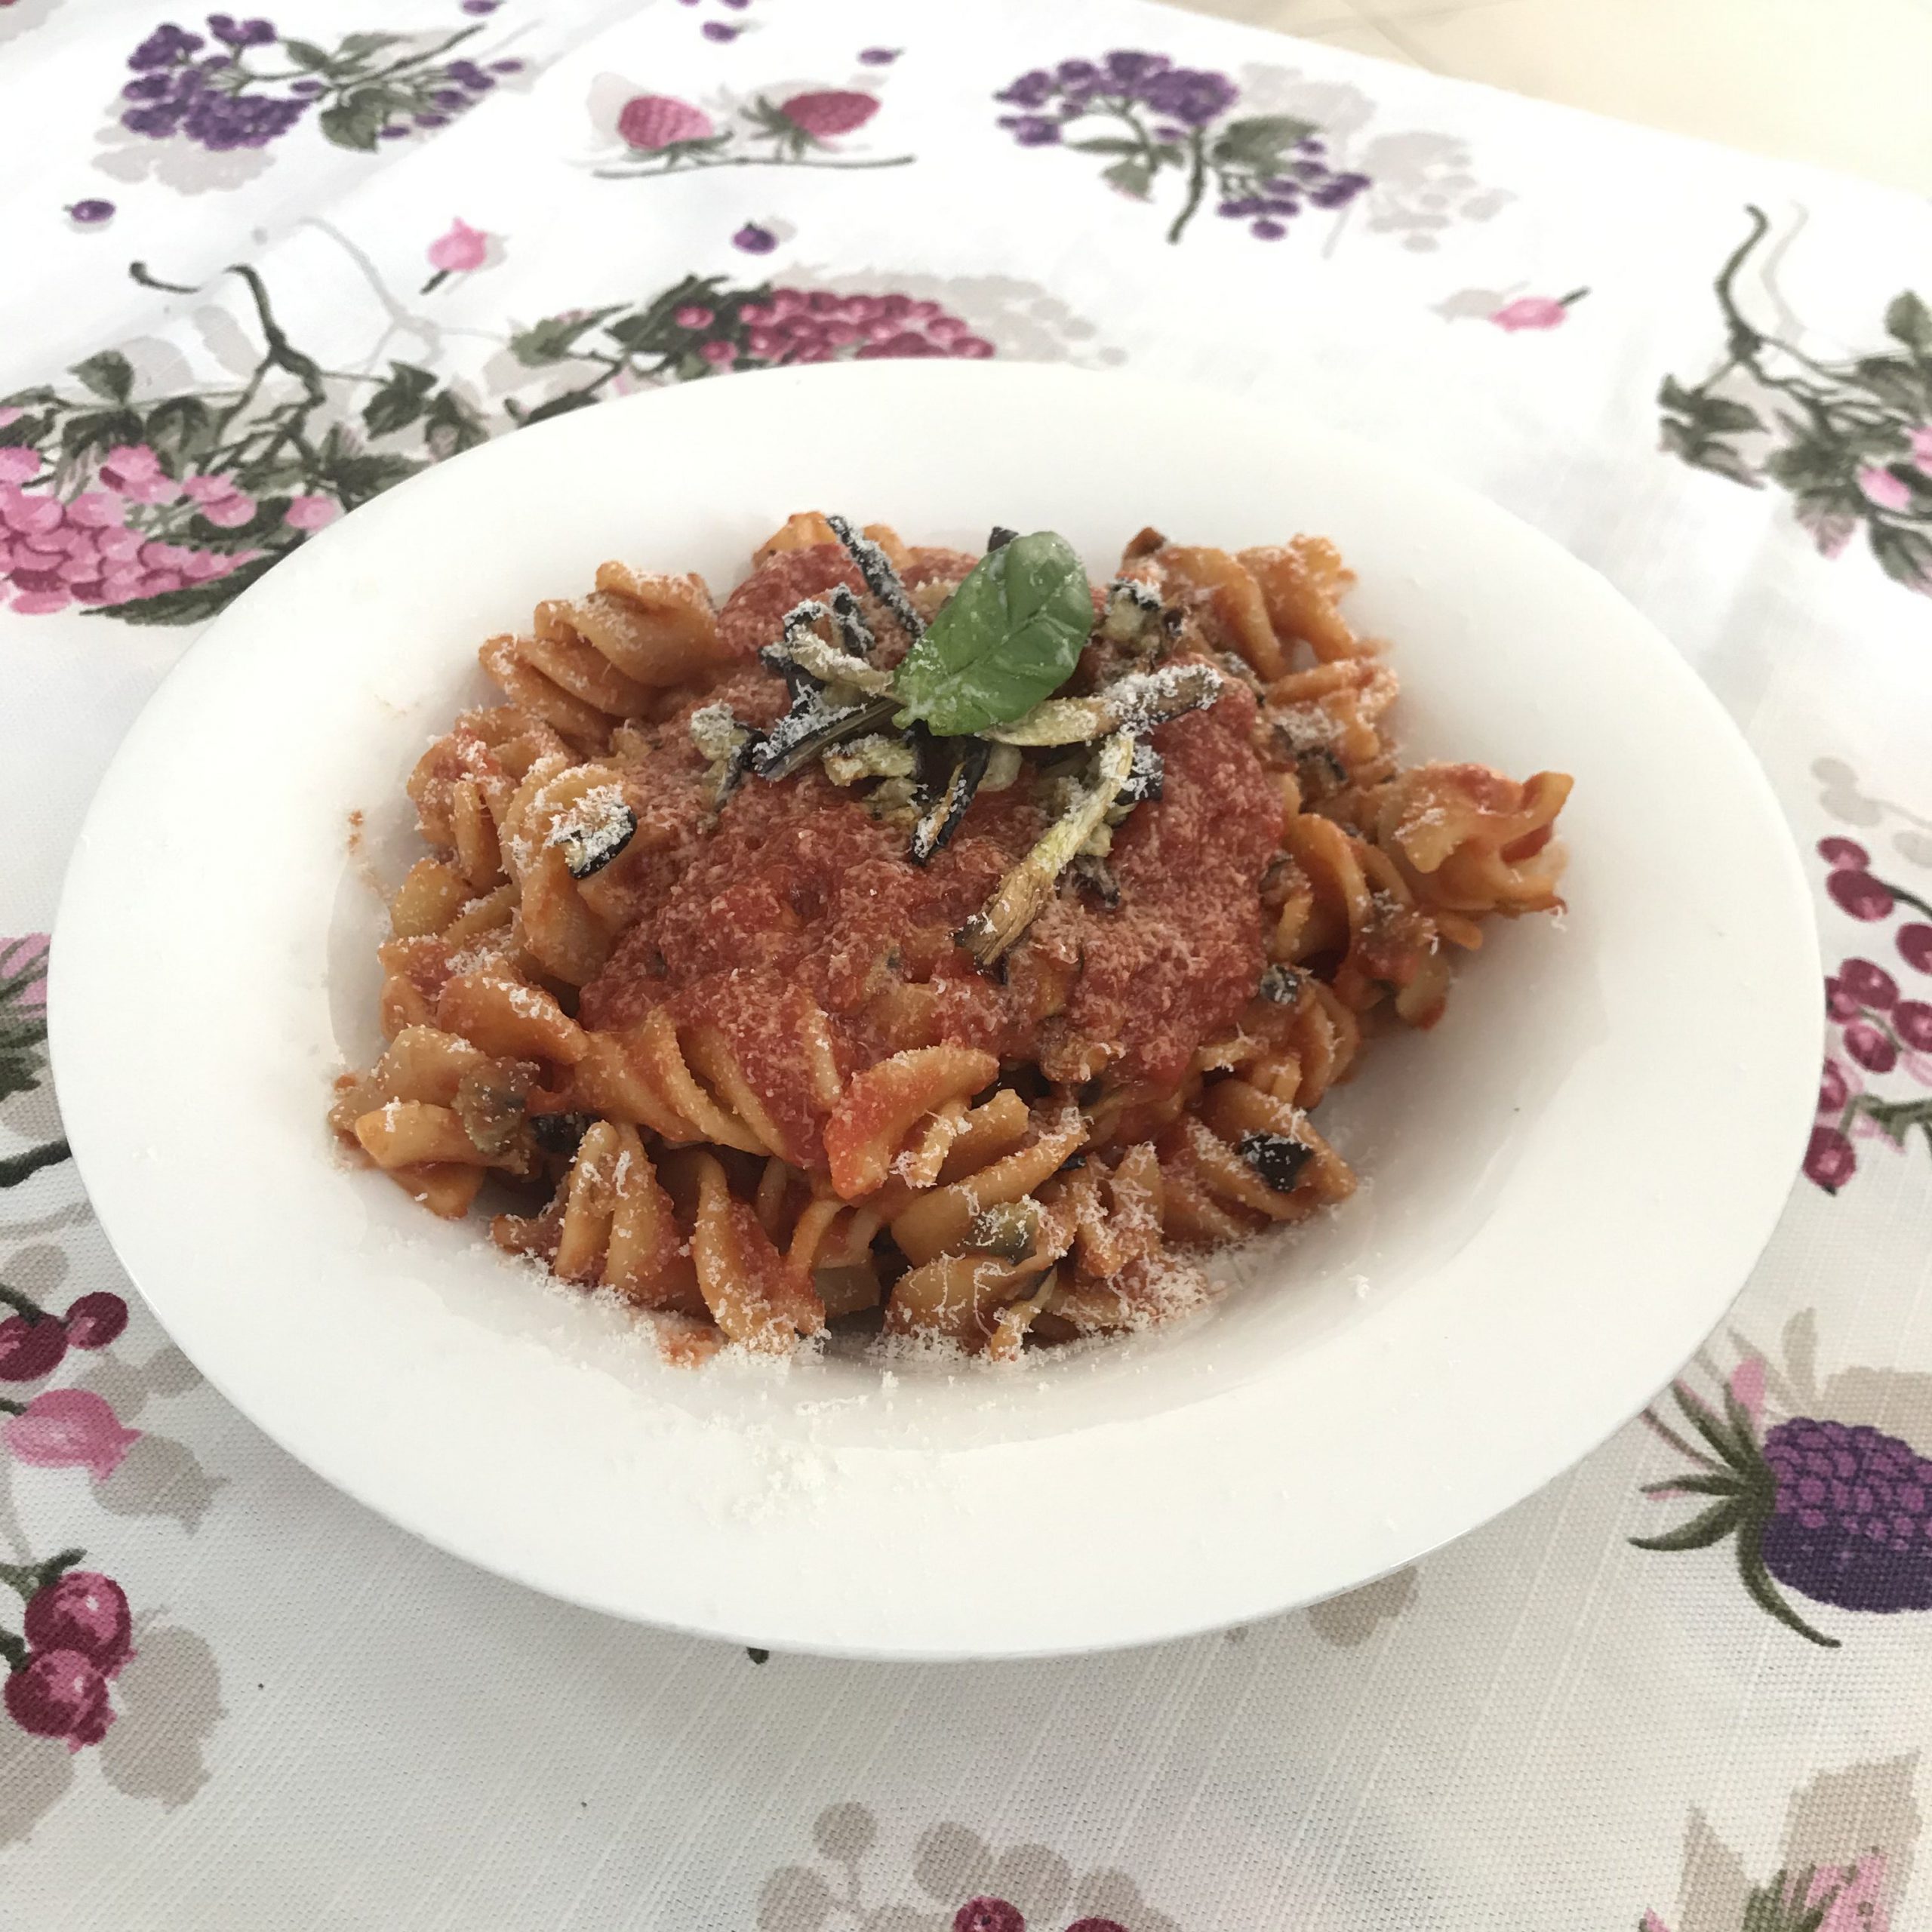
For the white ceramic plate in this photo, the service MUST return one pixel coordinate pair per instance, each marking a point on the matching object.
(1566, 1181)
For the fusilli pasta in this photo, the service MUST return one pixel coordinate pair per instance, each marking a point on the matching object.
(763, 1011)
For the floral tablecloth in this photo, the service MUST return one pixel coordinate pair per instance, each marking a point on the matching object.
(257, 272)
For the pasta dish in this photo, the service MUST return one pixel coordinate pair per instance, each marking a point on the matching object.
(937, 943)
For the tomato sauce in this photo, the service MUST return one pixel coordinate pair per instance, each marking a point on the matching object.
(795, 887)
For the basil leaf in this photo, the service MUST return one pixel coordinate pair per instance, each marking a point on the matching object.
(1010, 635)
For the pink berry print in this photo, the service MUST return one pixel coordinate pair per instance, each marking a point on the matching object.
(95, 1319)
(30, 1349)
(60, 1694)
(652, 122)
(827, 115)
(220, 501)
(1861, 895)
(1877, 1032)
(1871, 986)
(82, 1611)
(1871, 1046)
(1830, 1160)
(69, 1428)
(134, 471)
(1536, 312)
(1911, 1020)
(459, 249)
(806, 129)
(1884, 489)
(310, 513)
(985, 1915)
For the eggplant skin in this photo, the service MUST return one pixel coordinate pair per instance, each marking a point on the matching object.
(587, 850)
(940, 820)
(1280, 985)
(810, 727)
(1276, 1159)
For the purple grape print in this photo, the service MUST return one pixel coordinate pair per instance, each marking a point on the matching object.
(1850, 1524)
(1151, 118)
(723, 33)
(1874, 1028)
(201, 87)
(1839, 1514)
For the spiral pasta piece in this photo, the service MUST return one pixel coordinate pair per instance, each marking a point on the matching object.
(1325, 723)
(588, 662)
(1301, 584)
(882, 1105)
(1469, 840)
(435, 1113)
(1226, 599)
(687, 1084)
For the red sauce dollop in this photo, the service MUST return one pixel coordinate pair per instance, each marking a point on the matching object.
(795, 889)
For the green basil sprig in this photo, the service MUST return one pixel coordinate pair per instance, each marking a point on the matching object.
(1010, 635)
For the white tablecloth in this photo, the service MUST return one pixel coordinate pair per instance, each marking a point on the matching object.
(402, 245)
